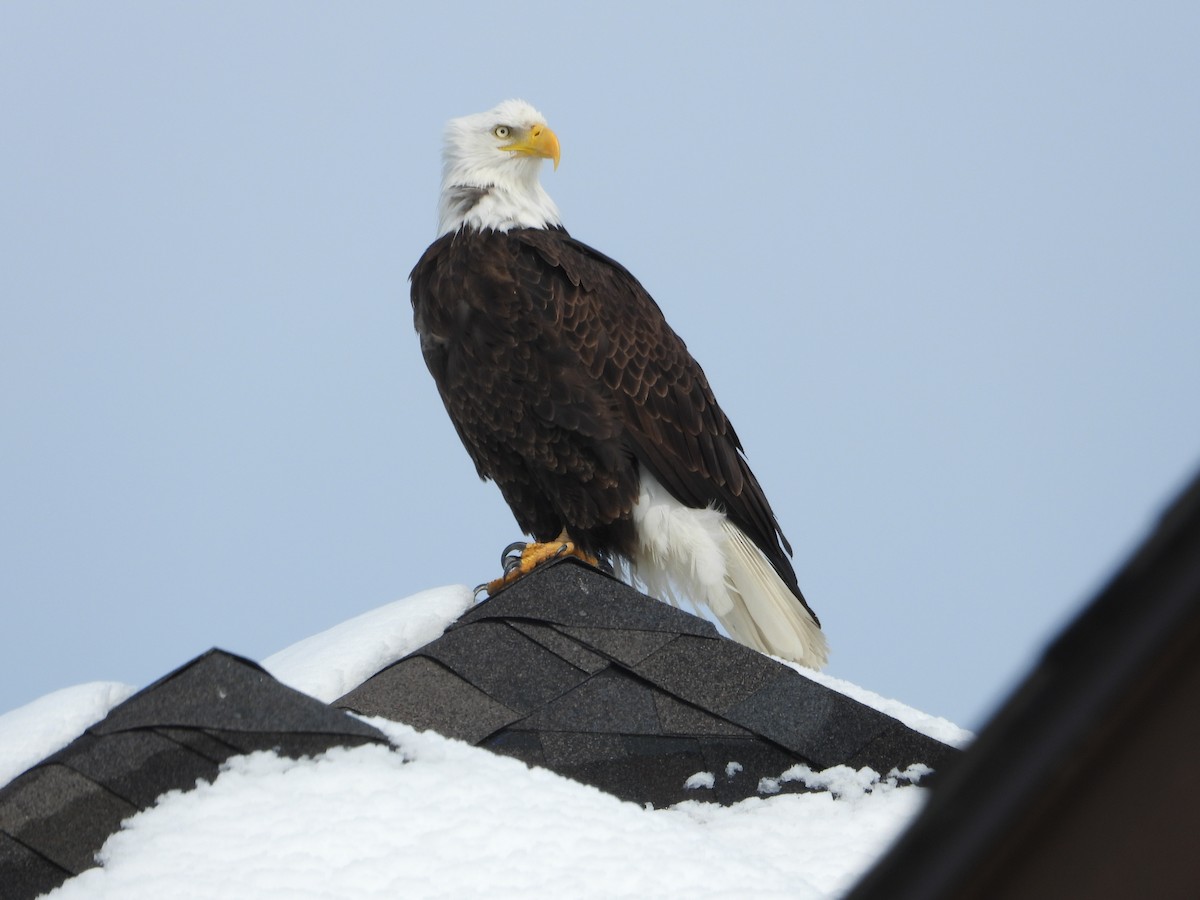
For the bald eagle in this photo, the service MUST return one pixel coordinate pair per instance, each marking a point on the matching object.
(571, 392)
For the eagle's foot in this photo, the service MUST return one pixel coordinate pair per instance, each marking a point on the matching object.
(520, 559)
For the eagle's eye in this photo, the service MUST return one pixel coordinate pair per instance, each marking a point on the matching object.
(502, 131)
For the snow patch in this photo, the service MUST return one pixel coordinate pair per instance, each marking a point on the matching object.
(438, 817)
(30, 733)
(843, 782)
(334, 662)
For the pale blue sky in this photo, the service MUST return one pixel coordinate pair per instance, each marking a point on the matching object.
(939, 262)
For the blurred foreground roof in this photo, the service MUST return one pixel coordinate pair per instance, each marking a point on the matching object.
(1084, 783)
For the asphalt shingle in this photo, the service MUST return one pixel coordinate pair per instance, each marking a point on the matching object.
(571, 669)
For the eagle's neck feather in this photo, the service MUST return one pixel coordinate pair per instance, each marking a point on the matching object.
(509, 196)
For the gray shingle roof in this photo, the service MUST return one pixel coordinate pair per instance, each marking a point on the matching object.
(574, 671)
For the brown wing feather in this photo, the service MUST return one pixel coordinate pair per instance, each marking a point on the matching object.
(489, 313)
(673, 421)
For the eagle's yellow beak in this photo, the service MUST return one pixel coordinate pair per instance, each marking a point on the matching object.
(537, 141)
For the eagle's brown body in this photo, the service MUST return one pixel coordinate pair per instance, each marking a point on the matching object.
(565, 383)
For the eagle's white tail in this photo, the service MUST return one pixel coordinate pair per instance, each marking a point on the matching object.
(701, 555)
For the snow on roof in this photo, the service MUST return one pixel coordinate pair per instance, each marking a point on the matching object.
(431, 816)
(441, 818)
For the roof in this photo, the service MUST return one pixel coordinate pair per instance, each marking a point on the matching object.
(574, 671)
(58, 814)
(1083, 784)
(568, 669)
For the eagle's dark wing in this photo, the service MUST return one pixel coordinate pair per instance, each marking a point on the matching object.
(490, 314)
(672, 420)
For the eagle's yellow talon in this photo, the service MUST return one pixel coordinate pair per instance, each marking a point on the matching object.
(534, 555)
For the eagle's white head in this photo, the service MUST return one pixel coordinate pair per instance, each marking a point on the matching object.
(490, 164)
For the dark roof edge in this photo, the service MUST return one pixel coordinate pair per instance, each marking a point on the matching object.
(1144, 615)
